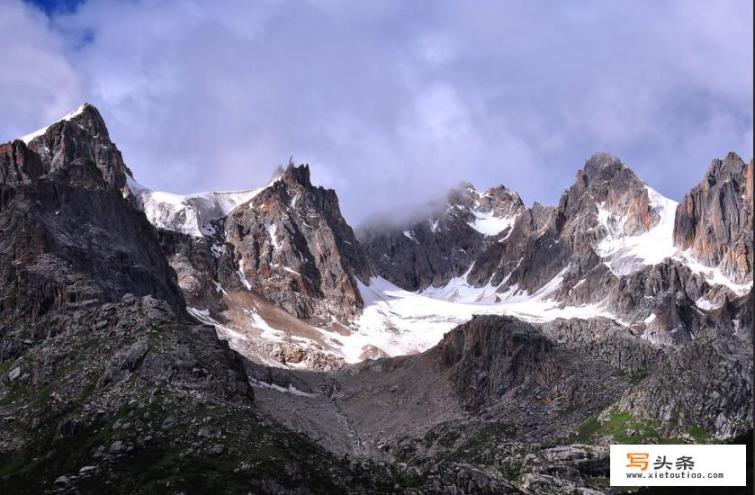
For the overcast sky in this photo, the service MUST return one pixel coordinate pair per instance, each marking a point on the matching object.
(390, 102)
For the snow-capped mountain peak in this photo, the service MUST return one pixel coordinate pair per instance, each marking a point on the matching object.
(66, 118)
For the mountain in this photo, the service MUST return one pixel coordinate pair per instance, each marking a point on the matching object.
(442, 246)
(108, 385)
(714, 220)
(479, 347)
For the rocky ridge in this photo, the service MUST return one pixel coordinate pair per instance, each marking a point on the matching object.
(102, 356)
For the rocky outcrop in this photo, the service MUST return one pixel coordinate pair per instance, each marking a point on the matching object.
(19, 165)
(293, 247)
(714, 221)
(78, 150)
(493, 359)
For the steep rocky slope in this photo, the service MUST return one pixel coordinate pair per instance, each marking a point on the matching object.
(714, 221)
(292, 245)
(275, 269)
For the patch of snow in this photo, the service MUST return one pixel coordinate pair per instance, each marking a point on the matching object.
(488, 224)
(268, 333)
(409, 235)
(705, 304)
(272, 386)
(272, 231)
(242, 276)
(650, 319)
(224, 332)
(291, 271)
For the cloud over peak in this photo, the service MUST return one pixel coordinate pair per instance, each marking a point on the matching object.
(391, 102)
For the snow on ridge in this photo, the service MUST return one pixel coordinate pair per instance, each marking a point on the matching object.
(290, 389)
(67, 117)
(190, 214)
(624, 254)
(713, 275)
(488, 224)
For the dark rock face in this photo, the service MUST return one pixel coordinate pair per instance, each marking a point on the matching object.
(495, 359)
(293, 247)
(714, 220)
(444, 245)
(78, 150)
(18, 164)
(491, 355)
(198, 271)
(61, 244)
(67, 233)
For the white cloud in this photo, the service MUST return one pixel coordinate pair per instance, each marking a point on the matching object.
(37, 82)
(391, 102)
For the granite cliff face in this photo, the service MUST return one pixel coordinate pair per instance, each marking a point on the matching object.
(714, 220)
(292, 245)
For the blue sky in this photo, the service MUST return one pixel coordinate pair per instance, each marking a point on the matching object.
(391, 102)
(56, 6)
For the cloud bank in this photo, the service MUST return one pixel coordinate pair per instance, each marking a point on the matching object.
(390, 102)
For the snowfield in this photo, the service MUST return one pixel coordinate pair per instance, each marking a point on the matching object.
(400, 322)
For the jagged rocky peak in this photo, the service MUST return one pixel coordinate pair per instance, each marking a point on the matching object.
(293, 246)
(292, 174)
(714, 220)
(498, 202)
(67, 234)
(77, 148)
(613, 191)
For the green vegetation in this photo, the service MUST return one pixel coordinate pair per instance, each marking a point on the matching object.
(622, 427)
(699, 433)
